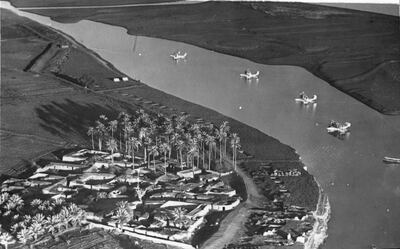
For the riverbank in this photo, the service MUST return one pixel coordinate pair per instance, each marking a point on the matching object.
(317, 236)
(67, 116)
(349, 53)
(61, 3)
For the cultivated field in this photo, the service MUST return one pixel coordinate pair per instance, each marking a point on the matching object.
(39, 113)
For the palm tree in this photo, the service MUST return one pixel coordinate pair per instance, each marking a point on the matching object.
(36, 202)
(4, 197)
(164, 148)
(195, 128)
(112, 127)
(76, 214)
(193, 152)
(59, 201)
(169, 131)
(154, 152)
(103, 117)
(201, 139)
(42, 207)
(65, 217)
(134, 144)
(24, 235)
(38, 218)
(52, 222)
(14, 202)
(26, 220)
(112, 146)
(210, 141)
(125, 122)
(153, 131)
(143, 135)
(143, 116)
(173, 143)
(122, 204)
(225, 130)
(37, 229)
(91, 132)
(220, 136)
(128, 130)
(100, 131)
(57, 221)
(101, 195)
(6, 239)
(180, 146)
(122, 216)
(181, 120)
(140, 193)
(179, 214)
(235, 144)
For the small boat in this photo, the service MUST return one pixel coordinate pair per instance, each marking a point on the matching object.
(337, 127)
(179, 55)
(387, 159)
(248, 75)
(305, 99)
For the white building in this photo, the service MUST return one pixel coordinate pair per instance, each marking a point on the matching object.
(61, 166)
(77, 156)
(188, 173)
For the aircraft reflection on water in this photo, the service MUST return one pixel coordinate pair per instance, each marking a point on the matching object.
(309, 109)
(340, 136)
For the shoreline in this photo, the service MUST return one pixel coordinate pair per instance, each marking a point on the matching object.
(199, 110)
(322, 214)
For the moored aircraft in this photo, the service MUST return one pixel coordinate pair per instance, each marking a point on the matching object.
(248, 75)
(178, 55)
(305, 99)
(337, 127)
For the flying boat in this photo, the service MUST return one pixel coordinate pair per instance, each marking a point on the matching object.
(303, 98)
(338, 127)
(394, 160)
(248, 75)
(179, 55)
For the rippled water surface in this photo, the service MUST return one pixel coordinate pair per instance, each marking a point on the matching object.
(364, 193)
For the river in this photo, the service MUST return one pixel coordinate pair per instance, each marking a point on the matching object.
(364, 193)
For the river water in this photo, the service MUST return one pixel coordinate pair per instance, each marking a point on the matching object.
(364, 193)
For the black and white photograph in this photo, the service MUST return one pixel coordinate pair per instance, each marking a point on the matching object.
(200, 124)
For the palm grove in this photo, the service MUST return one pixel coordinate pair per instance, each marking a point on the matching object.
(29, 222)
(157, 136)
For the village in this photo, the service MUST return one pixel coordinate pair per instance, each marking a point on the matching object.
(156, 178)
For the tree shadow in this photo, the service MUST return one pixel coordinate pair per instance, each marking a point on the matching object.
(68, 117)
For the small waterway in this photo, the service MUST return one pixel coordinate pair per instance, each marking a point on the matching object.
(364, 193)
